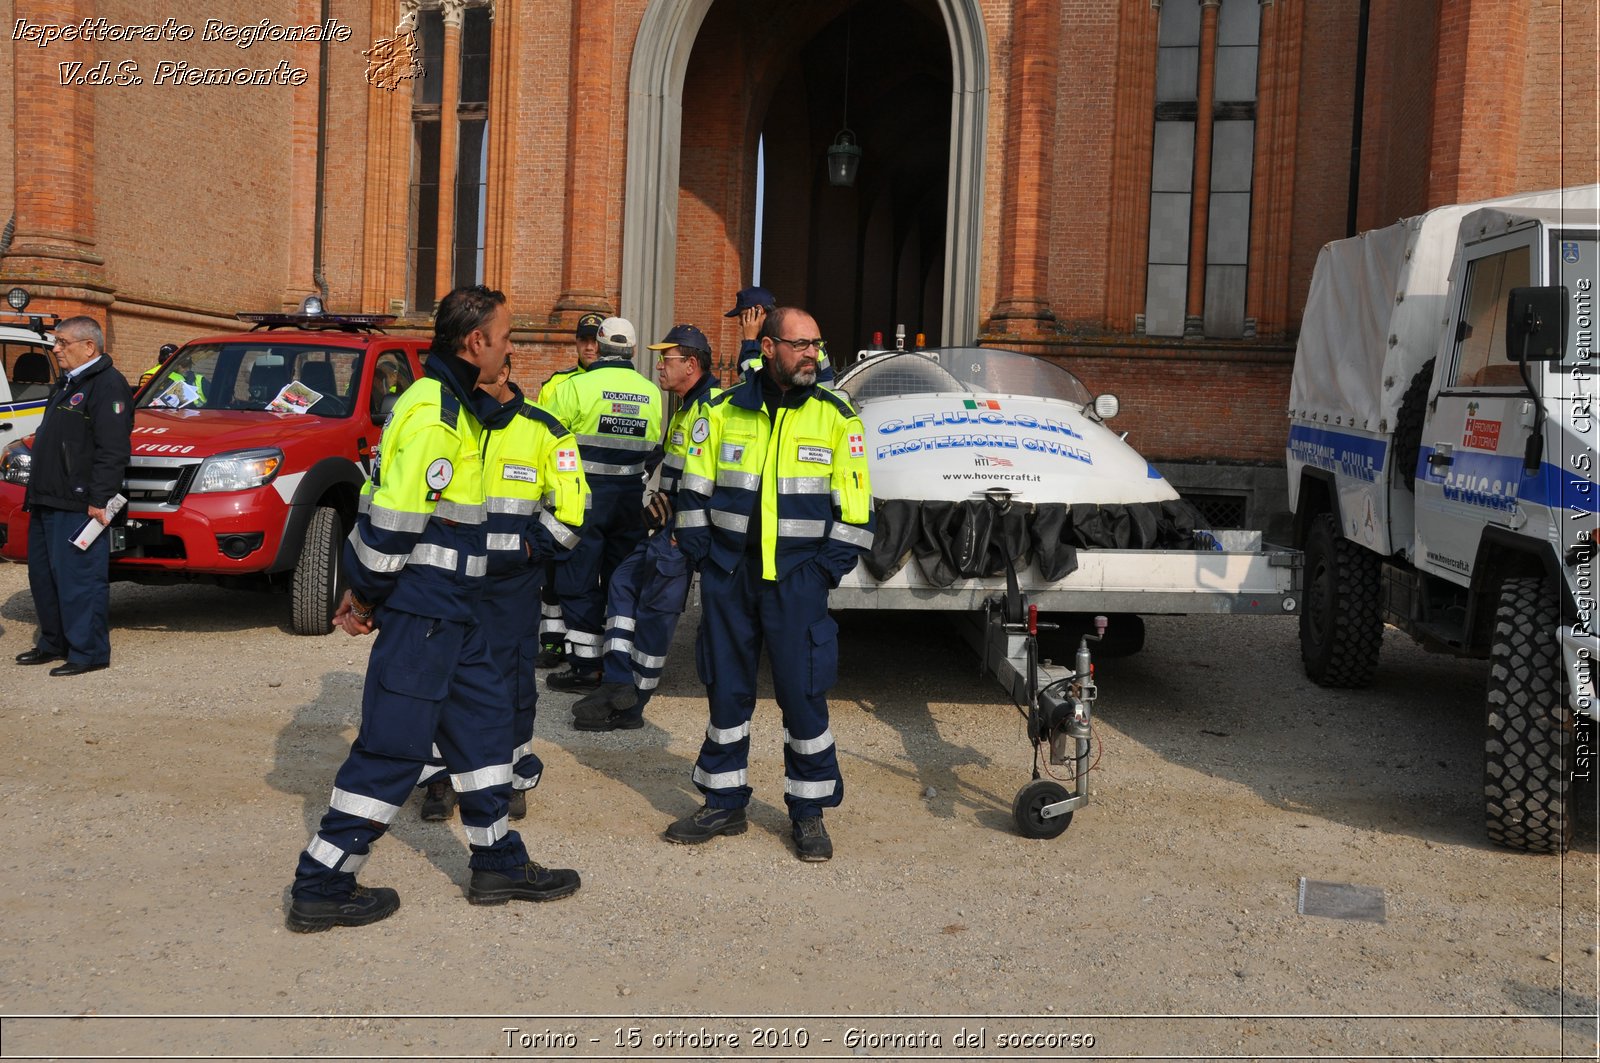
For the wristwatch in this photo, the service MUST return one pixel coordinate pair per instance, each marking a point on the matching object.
(360, 609)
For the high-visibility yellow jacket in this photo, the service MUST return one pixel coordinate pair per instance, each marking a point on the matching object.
(420, 540)
(548, 388)
(533, 486)
(615, 412)
(800, 473)
(695, 405)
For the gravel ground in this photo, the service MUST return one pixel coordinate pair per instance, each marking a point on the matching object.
(155, 812)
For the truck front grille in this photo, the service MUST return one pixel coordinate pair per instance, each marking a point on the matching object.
(160, 480)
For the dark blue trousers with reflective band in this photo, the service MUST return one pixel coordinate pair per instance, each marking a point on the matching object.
(612, 528)
(428, 681)
(71, 587)
(739, 611)
(647, 595)
(511, 624)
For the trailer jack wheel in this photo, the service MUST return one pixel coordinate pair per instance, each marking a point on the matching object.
(1028, 809)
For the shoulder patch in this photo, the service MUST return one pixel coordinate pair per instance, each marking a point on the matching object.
(449, 407)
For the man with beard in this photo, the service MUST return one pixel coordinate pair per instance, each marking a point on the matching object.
(774, 510)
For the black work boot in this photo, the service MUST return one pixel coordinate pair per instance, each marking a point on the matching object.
(530, 882)
(606, 699)
(631, 720)
(517, 807)
(706, 823)
(551, 656)
(811, 841)
(362, 906)
(572, 679)
(438, 801)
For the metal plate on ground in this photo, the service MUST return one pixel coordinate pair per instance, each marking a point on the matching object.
(1340, 900)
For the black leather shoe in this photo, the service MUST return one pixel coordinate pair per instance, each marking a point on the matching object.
(572, 679)
(77, 668)
(361, 907)
(437, 802)
(706, 823)
(631, 720)
(811, 841)
(37, 656)
(530, 882)
(606, 699)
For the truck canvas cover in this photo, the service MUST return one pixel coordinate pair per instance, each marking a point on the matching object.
(1377, 304)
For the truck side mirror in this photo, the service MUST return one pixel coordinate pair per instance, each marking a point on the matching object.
(1536, 324)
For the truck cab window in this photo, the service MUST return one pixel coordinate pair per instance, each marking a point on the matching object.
(1480, 346)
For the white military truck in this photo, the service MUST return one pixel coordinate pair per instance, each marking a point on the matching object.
(1441, 463)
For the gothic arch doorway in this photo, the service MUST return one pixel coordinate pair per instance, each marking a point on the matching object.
(904, 242)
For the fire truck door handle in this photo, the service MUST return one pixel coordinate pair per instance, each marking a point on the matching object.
(1443, 454)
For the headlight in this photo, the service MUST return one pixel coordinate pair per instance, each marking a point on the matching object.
(239, 471)
(16, 462)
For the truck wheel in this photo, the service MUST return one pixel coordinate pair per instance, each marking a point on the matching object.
(1408, 425)
(1525, 780)
(317, 575)
(1341, 627)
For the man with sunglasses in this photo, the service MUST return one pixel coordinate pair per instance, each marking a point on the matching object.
(774, 510)
(648, 590)
(80, 455)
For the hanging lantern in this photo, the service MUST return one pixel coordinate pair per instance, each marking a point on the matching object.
(844, 157)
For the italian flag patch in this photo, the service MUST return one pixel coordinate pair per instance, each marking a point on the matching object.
(981, 404)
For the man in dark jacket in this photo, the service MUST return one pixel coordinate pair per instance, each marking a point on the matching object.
(80, 455)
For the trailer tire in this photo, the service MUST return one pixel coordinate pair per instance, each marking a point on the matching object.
(1341, 625)
(1529, 727)
(1408, 425)
(1030, 803)
(317, 575)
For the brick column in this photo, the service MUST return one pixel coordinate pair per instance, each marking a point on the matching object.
(388, 183)
(302, 220)
(1129, 241)
(52, 251)
(449, 139)
(589, 162)
(1272, 206)
(1024, 250)
(503, 57)
(1477, 105)
(1200, 206)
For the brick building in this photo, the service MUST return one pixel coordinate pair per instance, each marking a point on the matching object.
(1136, 187)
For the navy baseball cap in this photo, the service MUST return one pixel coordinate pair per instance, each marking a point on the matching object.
(749, 297)
(589, 326)
(684, 336)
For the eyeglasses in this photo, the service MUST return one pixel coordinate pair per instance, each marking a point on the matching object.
(68, 343)
(663, 359)
(803, 345)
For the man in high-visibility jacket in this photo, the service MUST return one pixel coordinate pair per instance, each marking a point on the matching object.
(417, 564)
(535, 495)
(552, 628)
(615, 411)
(648, 590)
(774, 510)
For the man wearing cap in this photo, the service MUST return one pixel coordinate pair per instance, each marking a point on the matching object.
(774, 510)
(553, 629)
(751, 306)
(649, 589)
(615, 412)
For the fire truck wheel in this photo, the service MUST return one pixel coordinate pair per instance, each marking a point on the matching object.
(1029, 806)
(1525, 780)
(1341, 625)
(316, 574)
